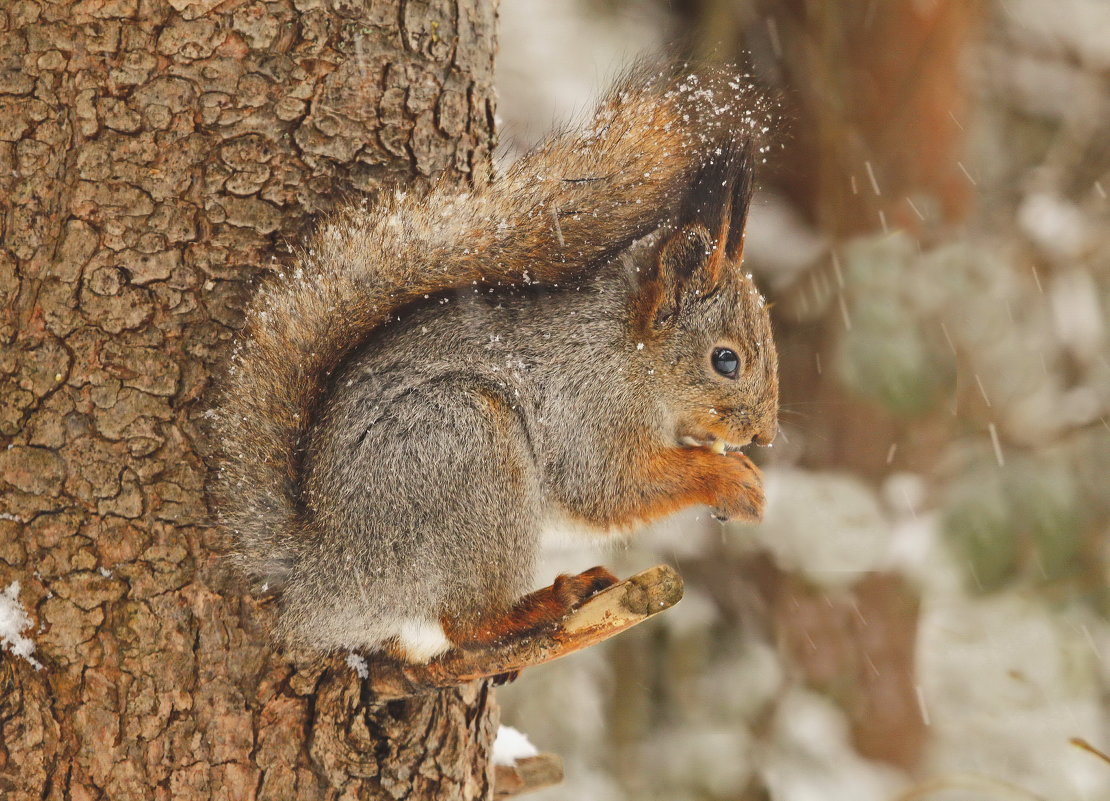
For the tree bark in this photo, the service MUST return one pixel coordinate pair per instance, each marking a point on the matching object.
(155, 157)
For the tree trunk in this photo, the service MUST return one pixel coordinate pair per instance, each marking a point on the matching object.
(155, 156)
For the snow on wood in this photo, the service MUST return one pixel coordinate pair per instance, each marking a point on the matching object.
(511, 744)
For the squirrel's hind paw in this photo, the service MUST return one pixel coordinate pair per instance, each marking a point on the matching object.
(537, 610)
(572, 590)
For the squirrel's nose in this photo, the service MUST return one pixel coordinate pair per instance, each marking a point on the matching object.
(767, 435)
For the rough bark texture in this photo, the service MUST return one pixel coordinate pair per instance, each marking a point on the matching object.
(155, 156)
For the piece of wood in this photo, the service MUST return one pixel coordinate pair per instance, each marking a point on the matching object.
(527, 774)
(601, 616)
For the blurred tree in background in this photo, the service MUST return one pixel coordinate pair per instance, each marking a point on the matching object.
(926, 602)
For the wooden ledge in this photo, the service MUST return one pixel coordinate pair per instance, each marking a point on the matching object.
(600, 617)
(527, 774)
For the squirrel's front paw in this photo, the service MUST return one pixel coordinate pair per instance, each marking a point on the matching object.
(740, 494)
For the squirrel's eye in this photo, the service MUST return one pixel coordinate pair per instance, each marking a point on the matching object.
(726, 362)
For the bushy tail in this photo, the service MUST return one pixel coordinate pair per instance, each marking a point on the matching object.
(571, 204)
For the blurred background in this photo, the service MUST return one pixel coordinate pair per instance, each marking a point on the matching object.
(924, 612)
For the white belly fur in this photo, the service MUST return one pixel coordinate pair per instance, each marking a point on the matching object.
(561, 532)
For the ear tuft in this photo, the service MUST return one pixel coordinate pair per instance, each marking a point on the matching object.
(707, 235)
(719, 197)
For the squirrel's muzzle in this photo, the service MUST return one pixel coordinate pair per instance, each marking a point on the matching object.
(767, 435)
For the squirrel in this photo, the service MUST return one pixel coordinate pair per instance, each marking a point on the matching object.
(440, 378)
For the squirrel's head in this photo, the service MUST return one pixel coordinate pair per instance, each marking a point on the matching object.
(705, 328)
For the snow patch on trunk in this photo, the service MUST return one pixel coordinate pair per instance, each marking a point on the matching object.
(13, 620)
(356, 663)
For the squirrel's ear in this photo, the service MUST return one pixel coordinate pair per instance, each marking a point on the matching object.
(683, 256)
(680, 268)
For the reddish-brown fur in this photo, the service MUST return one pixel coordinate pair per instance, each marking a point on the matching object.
(674, 478)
